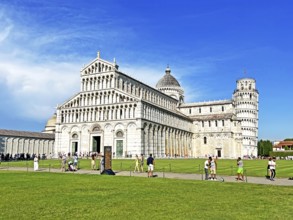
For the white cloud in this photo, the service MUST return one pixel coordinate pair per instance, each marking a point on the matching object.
(36, 88)
(187, 77)
(5, 27)
(5, 32)
(38, 79)
(35, 83)
(144, 74)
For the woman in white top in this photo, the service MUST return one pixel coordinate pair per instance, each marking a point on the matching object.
(273, 168)
(36, 163)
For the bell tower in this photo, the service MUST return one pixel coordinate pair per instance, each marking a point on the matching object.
(245, 98)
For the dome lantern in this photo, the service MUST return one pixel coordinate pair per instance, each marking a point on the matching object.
(169, 85)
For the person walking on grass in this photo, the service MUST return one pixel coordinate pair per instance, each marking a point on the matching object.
(136, 161)
(240, 175)
(273, 169)
(150, 163)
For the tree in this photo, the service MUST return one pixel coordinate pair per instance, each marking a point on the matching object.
(264, 147)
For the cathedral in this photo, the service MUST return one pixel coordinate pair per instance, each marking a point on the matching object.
(114, 109)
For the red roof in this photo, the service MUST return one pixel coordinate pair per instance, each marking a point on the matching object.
(284, 143)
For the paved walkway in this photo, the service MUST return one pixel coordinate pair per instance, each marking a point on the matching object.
(249, 179)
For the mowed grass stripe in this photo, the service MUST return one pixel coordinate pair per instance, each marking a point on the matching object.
(61, 196)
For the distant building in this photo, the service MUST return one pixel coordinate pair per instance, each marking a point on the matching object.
(114, 109)
(283, 145)
(16, 142)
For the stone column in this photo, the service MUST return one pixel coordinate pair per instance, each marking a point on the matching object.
(163, 138)
(155, 143)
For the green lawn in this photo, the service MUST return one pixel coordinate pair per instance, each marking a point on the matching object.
(66, 196)
(225, 167)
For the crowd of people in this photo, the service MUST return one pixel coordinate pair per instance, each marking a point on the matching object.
(22, 156)
(70, 163)
(210, 167)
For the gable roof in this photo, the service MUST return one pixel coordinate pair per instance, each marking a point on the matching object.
(26, 134)
(284, 143)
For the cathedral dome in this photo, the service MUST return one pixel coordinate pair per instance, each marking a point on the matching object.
(168, 80)
(50, 126)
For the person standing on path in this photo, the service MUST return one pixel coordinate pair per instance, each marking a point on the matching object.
(269, 168)
(206, 168)
(150, 163)
(240, 169)
(141, 162)
(213, 168)
(102, 164)
(63, 163)
(136, 161)
(36, 163)
(93, 162)
(273, 169)
(75, 161)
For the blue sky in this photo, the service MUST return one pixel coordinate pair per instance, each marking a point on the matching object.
(208, 45)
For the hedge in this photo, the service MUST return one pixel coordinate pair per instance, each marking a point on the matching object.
(281, 153)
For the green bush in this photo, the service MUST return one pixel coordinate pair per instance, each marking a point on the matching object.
(281, 153)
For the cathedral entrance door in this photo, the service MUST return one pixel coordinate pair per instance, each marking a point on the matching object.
(219, 152)
(119, 148)
(96, 144)
(74, 147)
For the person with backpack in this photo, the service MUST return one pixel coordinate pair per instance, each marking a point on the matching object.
(150, 163)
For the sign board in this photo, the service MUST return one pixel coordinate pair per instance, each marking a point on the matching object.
(108, 157)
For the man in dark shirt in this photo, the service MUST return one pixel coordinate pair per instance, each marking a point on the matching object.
(150, 163)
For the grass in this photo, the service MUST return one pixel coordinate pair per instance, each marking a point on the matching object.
(225, 167)
(65, 196)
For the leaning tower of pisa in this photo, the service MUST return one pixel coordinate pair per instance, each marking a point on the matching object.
(245, 99)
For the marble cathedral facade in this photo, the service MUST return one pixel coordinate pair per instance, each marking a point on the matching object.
(114, 109)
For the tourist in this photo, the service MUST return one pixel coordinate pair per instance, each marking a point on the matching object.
(36, 163)
(102, 164)
(268, 168)
(141, 162)
(75, 161)
(93, 162)
(273, 169)
(206, 168)
(150, 163)
(240, 169)
(63, 163)
(213, 168)
(136, 161)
